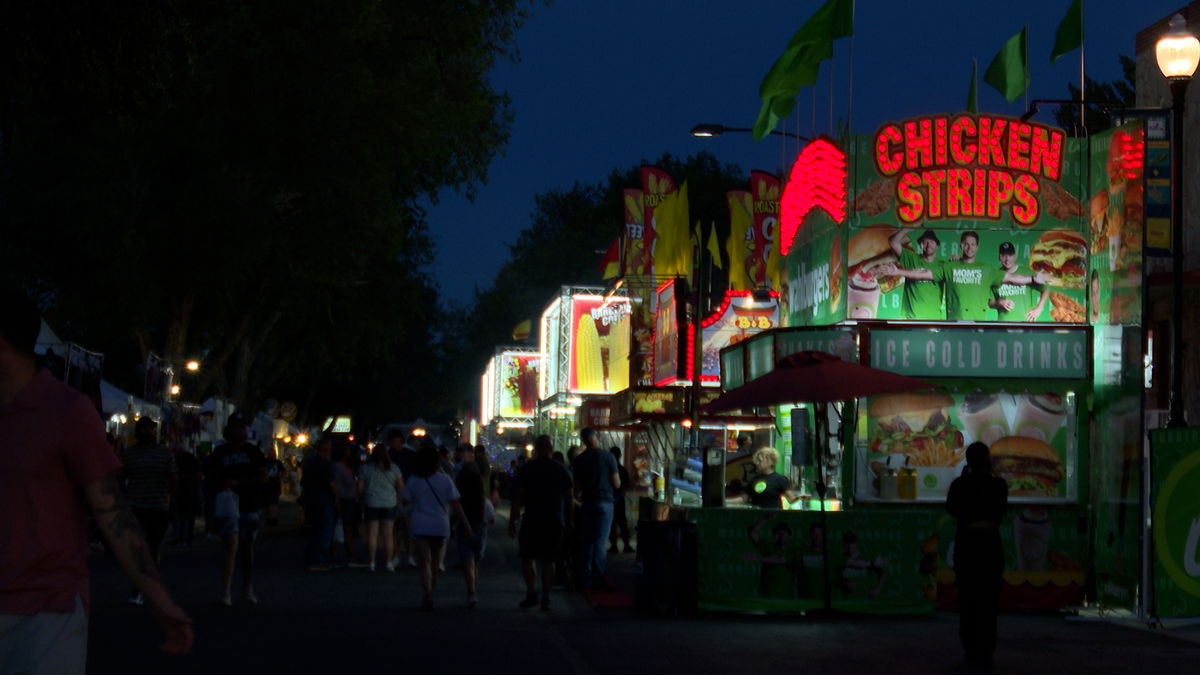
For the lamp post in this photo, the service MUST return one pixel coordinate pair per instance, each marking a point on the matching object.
(714, 130)
(1177, 53)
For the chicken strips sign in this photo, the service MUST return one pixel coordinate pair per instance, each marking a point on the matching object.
(969, 166)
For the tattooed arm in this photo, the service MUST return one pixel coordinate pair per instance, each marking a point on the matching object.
(119, 526)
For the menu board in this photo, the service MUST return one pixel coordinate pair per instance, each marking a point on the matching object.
(1031, 437)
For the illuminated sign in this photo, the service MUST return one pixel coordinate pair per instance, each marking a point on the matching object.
(817, 180)
(1035, 354)
(516, 384)
(739, 317)
(668, 317)
(969, 166)
(599, 328)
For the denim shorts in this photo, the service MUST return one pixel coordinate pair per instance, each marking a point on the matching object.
(472, 547)
(380, 513)
(246, 526)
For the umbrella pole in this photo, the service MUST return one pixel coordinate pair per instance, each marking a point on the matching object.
(821, 411)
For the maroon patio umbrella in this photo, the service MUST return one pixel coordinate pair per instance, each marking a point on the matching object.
(813, 377)
(819, 378)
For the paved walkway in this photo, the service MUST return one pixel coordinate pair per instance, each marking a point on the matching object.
(353, 621)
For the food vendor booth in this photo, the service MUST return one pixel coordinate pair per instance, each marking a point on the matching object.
(508, 397)
(954, 249)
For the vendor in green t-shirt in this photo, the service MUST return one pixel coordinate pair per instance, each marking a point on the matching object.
(1014, 302)
(967, 281)
(921, 299)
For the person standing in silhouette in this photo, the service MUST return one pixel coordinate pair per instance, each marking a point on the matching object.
(977, 500)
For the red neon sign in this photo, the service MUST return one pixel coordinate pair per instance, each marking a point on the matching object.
(817, 180)
(969, 166)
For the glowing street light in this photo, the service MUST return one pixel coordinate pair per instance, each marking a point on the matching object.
(192, 365)
(1178, 54)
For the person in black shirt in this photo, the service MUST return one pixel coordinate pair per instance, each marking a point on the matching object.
(319, 494)
(767, 489)
(977, 500)
(242, 467)
(543, 490)
(596, 479)
(620, 522)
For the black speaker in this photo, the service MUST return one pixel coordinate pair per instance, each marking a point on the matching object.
(800, 436)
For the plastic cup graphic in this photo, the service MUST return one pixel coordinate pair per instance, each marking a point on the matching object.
(862, 297)
(982, 416)
(1031, 529)
(1039, 415)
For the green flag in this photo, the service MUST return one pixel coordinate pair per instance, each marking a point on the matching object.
(973, 89)
(1009, 72)
(1070, 32)
(798, 65)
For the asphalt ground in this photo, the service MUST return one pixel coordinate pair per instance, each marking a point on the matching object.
(351, 620)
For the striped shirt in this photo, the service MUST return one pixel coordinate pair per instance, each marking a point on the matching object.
(147, 470)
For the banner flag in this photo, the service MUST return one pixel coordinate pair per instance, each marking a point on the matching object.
(798, 65)
(656, 185)
(610, 264)
(522, 330)
(634, 260)
(741, 237)
(673, 251)
(1069, 35)
(765, 191)
(1009, 71)
(714, 247)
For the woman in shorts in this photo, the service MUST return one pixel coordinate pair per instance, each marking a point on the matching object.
(380, 484)
(433, 497)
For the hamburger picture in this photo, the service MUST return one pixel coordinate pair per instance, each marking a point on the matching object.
(835, 272)
(916, 425)
(1031, 467)
(1062, 255)
(869, 249)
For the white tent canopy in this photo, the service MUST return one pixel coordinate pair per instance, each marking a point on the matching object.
(118, 402)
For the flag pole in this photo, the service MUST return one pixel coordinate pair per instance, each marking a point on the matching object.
(1082, 79)
(1025, 56)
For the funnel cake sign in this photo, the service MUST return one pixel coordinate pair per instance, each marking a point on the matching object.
(981, 167)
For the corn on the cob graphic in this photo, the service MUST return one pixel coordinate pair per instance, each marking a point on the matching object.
(589, 365)
(618, 354)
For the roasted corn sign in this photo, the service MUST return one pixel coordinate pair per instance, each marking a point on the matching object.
(950, 218)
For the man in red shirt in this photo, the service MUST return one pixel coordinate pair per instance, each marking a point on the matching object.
(53, 461)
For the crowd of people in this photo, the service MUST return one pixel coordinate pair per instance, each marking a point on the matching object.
(401, 504)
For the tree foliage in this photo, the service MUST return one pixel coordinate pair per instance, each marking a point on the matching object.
(240, 179)
(1104, 100)
(569, 231)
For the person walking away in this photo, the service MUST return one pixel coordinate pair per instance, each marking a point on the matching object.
(189, 495)
(275, 472)
(349, 508)
(151, 485)
(403, 454)
(620, 521)
(433, 497)
(596, 480)
(241, 467)
(380, 483)
(540, 499)
(977, 500)
(55, 464)
(472, 540)
(319, 494)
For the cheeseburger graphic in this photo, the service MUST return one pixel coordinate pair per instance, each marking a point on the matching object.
(917, 425)
(1062, 255)
(1031, 467)
(868, 250)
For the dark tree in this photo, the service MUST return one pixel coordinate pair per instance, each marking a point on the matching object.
(1104, 99)
(241, 180)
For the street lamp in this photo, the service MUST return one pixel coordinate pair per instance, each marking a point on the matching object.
(713, 130)
(1177, 53)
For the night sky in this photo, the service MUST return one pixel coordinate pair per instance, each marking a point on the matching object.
(606, 84)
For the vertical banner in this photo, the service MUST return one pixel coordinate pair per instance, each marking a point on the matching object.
(656, 185)
(668, 347)
(1176, 462)
(764, 191)
(741, 238)
(635, 258)
(517, 384)
(1116, 219)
